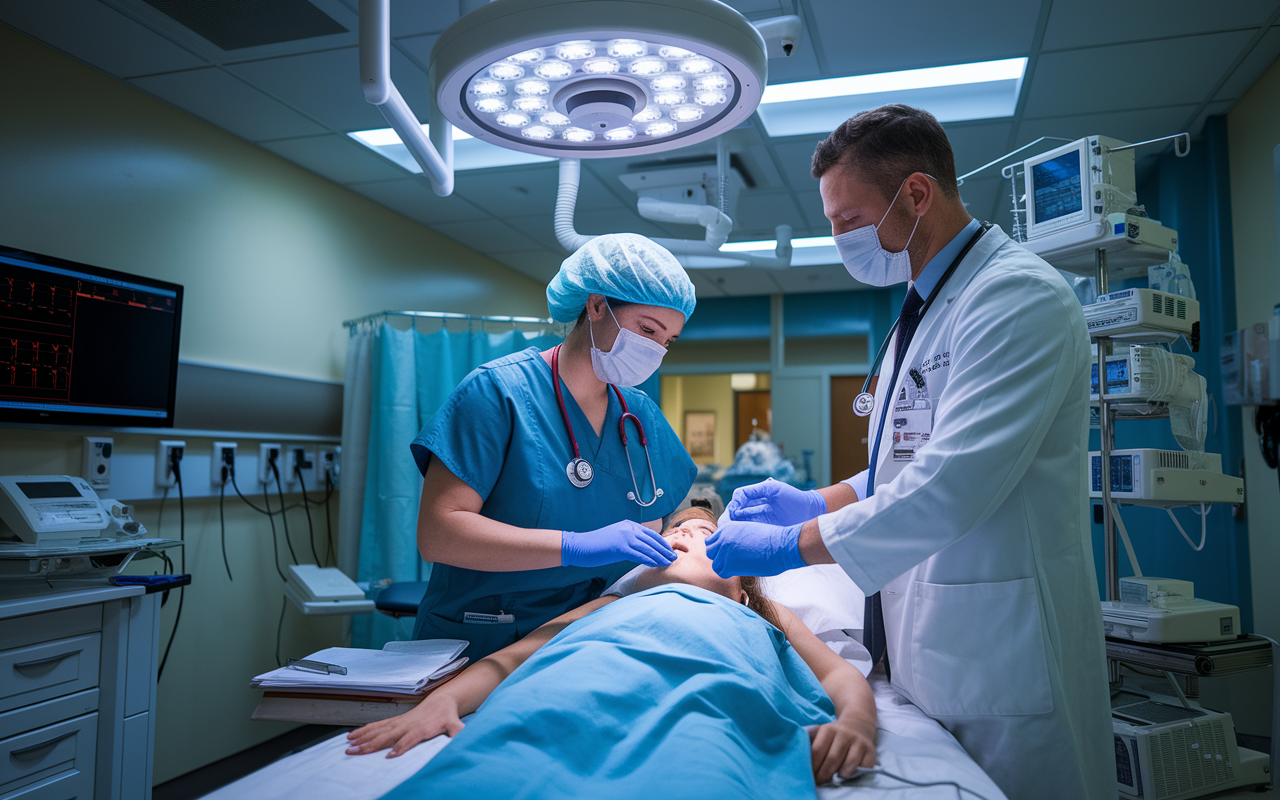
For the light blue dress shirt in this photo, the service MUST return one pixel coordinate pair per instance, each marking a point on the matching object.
(928, 280)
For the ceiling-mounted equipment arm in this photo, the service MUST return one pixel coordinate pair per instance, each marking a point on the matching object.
(434, 155)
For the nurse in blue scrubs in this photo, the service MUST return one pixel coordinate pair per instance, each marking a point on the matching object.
(546, 475)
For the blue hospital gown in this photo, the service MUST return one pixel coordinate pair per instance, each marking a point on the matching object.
(502, 434)
(674, 692)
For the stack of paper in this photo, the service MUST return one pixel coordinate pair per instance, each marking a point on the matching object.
(400, 668)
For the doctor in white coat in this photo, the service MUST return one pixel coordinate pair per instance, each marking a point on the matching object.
(971, 523)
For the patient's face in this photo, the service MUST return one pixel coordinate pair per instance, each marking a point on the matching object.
(689, 540)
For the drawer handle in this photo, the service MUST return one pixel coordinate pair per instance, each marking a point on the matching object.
(49, 660)
(43, 745)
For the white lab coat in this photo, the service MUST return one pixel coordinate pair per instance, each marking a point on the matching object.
(980, 544)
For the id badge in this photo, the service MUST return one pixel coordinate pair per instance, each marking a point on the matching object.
(912, 418)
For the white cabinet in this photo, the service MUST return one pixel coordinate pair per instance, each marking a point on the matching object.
(77, 692)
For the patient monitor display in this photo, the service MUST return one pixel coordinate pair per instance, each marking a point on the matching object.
(1057, 187)
(83, 345)
(1078, 184)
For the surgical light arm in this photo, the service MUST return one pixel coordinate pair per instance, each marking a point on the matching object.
(434, 155)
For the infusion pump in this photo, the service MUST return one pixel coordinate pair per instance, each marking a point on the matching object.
(40, 509)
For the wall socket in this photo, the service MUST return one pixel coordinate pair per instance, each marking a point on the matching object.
(295, 457)
(328, 462)
(164, 473)
(224, 457)
(266, 454)
(97, 461)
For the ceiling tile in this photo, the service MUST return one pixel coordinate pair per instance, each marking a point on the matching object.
(99, 36)
(703, 285)
(414, 198)
(796, 156)
(1129, 126)
(526, 189)
(229, 103)
(974, 144)
(489, 236)
(1160, 73)
(1080, 23)
(741, 281)
(1212, 109)
(419, 47)
(1253, 65)
(758, 161)
(411, 19)
(828, 278)
(760, 212)
(540, 265)
(983, 196)
(801, 65)
(335, 157)
(326, 86)
(811, 212)
(539, 228)
(871, 37)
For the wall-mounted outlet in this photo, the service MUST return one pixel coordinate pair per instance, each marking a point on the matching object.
(269, 454)
(222, 463)
(166, 451)
(297, 457)
(97, 461)
(328, 462)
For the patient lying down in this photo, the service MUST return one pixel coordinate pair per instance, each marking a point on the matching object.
(690, 685)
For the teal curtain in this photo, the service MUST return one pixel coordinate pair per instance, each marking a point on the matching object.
(411, 375)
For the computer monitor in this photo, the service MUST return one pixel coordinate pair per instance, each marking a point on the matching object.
(83, 345)
(1077, 184)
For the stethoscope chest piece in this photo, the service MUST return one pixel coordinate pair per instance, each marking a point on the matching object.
(580, 472)
(863, 404)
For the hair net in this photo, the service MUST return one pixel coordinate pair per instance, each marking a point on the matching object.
(624, 266)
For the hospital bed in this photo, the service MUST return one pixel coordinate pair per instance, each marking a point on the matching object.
(910, 745)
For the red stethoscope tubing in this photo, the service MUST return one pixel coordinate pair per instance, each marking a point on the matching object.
(564, 411)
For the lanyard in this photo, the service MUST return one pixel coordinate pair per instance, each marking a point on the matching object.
(875, 367)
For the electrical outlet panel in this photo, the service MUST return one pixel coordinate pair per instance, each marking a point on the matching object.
(165, 476)
(224, 457)
(268, 453)
(297, 457)
(97, 461)
(328, 462)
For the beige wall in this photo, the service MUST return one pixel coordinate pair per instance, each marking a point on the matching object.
(681, 393)
(1253, 127)
(273, 258)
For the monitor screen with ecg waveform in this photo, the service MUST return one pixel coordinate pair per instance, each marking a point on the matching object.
(82, 345)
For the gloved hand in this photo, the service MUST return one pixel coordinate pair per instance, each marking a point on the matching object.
(775, 503)
(621, 541)
(754, 548)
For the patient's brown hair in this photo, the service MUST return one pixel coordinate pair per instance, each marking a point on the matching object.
(756, 600)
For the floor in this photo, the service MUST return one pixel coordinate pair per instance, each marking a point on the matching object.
(200, 782)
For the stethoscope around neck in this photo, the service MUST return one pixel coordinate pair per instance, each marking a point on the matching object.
(578, 469)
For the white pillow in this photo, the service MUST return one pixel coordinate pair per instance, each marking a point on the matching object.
(823, 596)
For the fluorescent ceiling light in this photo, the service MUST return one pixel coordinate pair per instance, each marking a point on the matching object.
(468, 152)
(982, 90)
(811, 251)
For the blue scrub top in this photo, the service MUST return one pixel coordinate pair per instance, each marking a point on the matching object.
(502, 434)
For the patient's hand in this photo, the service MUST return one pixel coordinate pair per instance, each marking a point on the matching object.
(842, 746)
(435, 715)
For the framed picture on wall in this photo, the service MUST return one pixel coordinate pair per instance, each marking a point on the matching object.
(700, 433)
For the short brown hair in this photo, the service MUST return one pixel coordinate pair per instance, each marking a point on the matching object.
(756, 599)
(886, 144)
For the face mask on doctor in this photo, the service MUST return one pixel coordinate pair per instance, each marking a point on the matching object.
(631, 361)
(867, 260)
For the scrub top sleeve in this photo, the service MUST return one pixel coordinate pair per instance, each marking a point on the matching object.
(471, 432)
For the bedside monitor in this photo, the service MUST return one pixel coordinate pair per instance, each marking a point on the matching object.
(1077, 184)
(83, 345)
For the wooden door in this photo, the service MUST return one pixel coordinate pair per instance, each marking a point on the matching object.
(751, 411)
(848, 430)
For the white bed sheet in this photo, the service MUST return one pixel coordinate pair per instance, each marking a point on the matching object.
(908, 742)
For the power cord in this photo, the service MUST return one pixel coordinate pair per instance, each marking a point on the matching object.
(841, 781)
(328, 529)
(284, 519)
(175, 458)
(306, 506)
(222, 523)
(275, 543)
(284, 603)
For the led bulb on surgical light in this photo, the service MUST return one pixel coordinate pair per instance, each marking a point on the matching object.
(686, 113)
(674, 53)
(709, 98)
(645, 67)
(669, 98)
(528, 56)
(649, 114)
(530, 105)
(627, 48)
(488, 88)
(575, 51)
(668, 83)
(577, 135)
(540, 132)
(532, 87)
(491, 105)
(600, 66)
(697, 65)
(506, 71)
(553, 70)
(512, 119)
(623, 134)
(711, 83)
(662, 128)
(554, 118)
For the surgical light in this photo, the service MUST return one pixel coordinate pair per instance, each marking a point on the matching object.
(662, 128)
(528, 104)
(491, 105)
(554, 118)
(506, 71)
(531, 87)
(553, 70)
(686, 113)
(647, 66)
(600, 66)
(669, 98)
(620, 134)
(668, 83)
(697, 66)
(512, 119)
(711, 83)
(575, 51)
(648, 115)
(627, 48)
(488, 88)
(709, 98)
(538, 132)
(577, 135)
(674, 53)
(528, 56)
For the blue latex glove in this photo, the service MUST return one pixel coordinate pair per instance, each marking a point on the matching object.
(753, 548)
(621, 541)
(775, 503)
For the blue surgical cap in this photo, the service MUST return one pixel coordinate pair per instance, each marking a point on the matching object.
(622, 266)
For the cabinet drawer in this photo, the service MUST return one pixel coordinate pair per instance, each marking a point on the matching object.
(67, 786)
(34, 756)
(59, 624)
(49, 669)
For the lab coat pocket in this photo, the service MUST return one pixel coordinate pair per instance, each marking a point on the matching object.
(977, 649)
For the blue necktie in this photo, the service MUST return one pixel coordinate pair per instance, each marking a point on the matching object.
(873, 637)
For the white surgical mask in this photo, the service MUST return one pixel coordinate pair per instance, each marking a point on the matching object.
(631, 361)
(867, 260)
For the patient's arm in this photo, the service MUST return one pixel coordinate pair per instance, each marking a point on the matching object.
(442, 710)
(849, 742)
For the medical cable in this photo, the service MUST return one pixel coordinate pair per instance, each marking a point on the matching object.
(275, 543)
(1128, 545)
(328, 527)
(306, 506)
(284, 603)
(250, 503)
(284, 519)
(1203, 513)
(922, 784)
(222, 523)
(175, 458)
